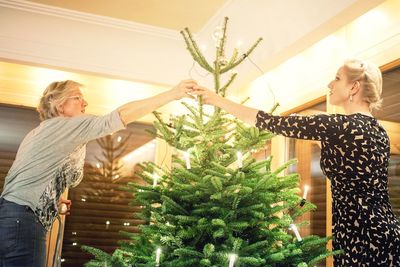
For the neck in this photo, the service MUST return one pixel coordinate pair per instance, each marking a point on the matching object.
(354, 107)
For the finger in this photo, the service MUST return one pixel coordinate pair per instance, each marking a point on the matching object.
(190, 85)
(190, 81)
(198, 92)
(199, 88)
(187, 90)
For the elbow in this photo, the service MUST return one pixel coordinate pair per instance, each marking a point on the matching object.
(123, 115)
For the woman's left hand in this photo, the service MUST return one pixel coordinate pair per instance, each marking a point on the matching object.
(66, 203)
(209, 97)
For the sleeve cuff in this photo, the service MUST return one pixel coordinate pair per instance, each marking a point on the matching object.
(117, 121)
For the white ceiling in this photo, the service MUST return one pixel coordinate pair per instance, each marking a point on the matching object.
(169, 14)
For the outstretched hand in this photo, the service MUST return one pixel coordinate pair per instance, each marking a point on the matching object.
(66, 203)
(209, 97)
(183, 89)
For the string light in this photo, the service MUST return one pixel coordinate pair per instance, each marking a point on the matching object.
(303, 201)
(239, 159)
(158, 256)
(293, 227)
(186, 155)
(306, 188)
(232, 259)
(155, 179)
(217, 34)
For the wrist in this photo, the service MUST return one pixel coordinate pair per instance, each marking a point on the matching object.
(220, 101)
(174, 93)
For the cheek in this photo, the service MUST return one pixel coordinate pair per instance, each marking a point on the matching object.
(72, 109)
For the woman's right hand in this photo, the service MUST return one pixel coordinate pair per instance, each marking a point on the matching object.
(183, 89)
(67, 206)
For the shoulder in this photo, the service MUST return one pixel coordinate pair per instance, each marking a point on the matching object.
(67, 121)
(353, 124)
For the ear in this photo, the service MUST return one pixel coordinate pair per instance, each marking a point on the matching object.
(60, 109)
(355, 88)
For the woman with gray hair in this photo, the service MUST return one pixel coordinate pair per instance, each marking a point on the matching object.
(355, 156)
(50, 159)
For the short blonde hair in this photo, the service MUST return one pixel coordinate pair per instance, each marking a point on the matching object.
(55, 95)
(370, 78)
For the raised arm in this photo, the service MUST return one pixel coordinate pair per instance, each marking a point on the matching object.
(314, 127)
(241, 112)
(317, 127)
(134, 110)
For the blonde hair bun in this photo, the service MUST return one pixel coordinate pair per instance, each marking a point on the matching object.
(55, 95)
(370, 77)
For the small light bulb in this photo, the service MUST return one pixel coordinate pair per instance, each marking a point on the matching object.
(232, 259)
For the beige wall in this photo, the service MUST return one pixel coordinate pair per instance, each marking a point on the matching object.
(375, 36)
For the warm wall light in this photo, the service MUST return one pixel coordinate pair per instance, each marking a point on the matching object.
(145, 152)
(372, 20)
(43, 77)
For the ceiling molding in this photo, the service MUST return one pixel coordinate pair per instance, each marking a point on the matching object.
(49, 40)
(90, 18)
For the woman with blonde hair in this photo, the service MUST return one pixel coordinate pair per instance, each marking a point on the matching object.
(50, 159)
(355, 156)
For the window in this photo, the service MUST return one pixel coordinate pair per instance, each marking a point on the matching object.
(308, 154)
(389, 117)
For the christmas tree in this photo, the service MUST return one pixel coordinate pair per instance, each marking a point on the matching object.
(217, 205)
(100, 207)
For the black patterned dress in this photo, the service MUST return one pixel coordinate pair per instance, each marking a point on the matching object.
(355, 155)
